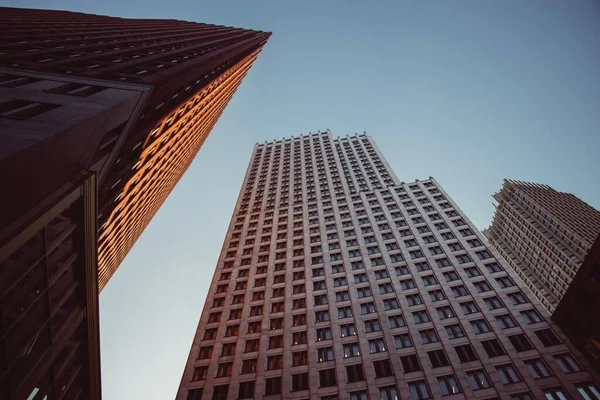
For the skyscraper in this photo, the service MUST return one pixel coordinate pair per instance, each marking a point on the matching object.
(338, 281)
(99, 119)
(577, 314)
(544, 235)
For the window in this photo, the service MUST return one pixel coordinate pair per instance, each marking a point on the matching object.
(323, 334)
(508, 374)
(359, 395)
(480, 326)
(390, 304)
(386, 288)
(407, 284)
(299, 382)
(299, 338)
(246, 390)
(469, 307)
(274, 362)
(537, 368)
(342, 296)
(555, 394)
(402, 341)
(421, 317)
(429, 280)
(428, 336)
(414, 299)
(418, 390)
(547, 337)
(382, 368)
(366, 308)
(228, 349)
(472, 272)
(517, 298)
(347, 330)
(520, 342)
(249, 366)
(448, 385)
(459, 291)
(567, 363)
(493, 348)
(377, 345)
(355, 373)
(482, 286)
(465, 353)
(454, 331)
(372, 325)
(438, 358)
(436, 295)
(276, 342)
(532, 316)
(505, 281)
(272, 386)
(410, 363)
(200, 373)
(351, 350)
(327, 377)
(24, 109)
(493, 303)
(445, 312)
(321, 316)
(220, 392)
(521, 396)
(363, 292)
(478, 379)
(325, 354)
(388, 393)
(588, 391)
(251, 345)
(224, 369)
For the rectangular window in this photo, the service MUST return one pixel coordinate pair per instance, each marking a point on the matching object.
(419, 390)
(465, 353)
(493, 348)
(448, 385)
(410, 363)
(508, 374)
(355, 373)
(299, 382)
(402, 341)
(438, 358)
(567, 363)
(383, 368)
(478, 379)
(351, 350)
(537, 368)
(327, 377)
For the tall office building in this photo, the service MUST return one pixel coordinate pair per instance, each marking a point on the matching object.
(577, 313)
(338, 281)
(99, 118)
(544, 235)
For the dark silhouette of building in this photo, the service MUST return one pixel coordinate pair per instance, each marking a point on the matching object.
(99, 118)
(578, 313)
(338, 281)
(544, 235)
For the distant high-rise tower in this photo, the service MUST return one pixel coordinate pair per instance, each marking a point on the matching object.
(99, 119)
(338, 281)
(544, 235)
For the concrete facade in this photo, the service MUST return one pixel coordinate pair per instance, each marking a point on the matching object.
(338, 281)
(544, 235)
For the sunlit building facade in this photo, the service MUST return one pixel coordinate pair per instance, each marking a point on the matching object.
(338, 281)
(99, 118)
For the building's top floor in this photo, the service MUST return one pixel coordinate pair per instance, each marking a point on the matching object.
(310, 135)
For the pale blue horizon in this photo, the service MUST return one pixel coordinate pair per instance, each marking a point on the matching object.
(468, 92)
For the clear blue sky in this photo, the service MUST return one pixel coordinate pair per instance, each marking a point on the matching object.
(469, 92)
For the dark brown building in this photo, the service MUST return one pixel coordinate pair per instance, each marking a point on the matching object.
(578, 313)
(544, 235)
(338, 281)
(111, 110)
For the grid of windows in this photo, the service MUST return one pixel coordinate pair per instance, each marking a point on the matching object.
(366, 276)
